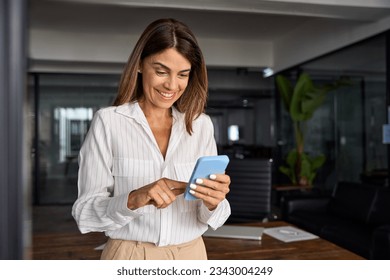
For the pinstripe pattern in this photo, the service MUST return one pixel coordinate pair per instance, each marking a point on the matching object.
(120, 154)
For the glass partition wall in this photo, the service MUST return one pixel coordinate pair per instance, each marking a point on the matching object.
(65, 105)
(347, 128)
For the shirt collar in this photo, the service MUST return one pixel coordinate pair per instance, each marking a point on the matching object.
(134, 111)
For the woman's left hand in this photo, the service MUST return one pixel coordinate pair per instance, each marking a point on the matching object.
(211, 190)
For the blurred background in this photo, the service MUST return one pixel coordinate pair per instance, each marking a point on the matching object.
(62, 60)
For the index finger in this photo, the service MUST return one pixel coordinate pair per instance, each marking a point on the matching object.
(175, 185)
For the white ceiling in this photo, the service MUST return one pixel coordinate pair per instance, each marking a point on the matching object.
(250, 20)
(243, 19)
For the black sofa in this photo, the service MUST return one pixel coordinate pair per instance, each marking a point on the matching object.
(355, 216)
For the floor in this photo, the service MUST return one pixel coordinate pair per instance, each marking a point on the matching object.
(53, 219)
(56, 236)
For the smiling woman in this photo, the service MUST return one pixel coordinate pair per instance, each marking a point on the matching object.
(164, 79)
(139, 154)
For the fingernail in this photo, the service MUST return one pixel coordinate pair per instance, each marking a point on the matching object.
(199, 181)
(192, 192)
(193, 186)
(213, 176)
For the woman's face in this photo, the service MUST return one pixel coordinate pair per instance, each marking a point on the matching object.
(164, 78)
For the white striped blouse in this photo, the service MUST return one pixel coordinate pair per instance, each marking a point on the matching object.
(120, 154)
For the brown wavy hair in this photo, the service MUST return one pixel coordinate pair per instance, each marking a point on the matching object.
(160, 35)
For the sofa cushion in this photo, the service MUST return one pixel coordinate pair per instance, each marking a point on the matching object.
(380, 212)
(352, 201)
(353, 237)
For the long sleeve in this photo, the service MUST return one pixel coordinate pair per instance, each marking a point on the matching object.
(217, 217)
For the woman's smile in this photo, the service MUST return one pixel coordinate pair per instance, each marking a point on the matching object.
(166, 95)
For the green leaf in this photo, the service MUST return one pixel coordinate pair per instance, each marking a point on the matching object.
(289, 172)
(286, 90)
(311, 178)
(306, 169)
(318, 161)
(316, 97)
(303, 85)
(310, 105)
(292, 158)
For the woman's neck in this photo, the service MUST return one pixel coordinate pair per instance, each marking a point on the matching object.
(156, 116)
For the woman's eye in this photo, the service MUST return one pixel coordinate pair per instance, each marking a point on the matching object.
(161, 73)
(183, 75)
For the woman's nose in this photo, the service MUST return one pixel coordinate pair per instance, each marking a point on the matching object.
(171, 83)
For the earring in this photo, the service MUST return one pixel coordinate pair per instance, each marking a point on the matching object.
(139, 71)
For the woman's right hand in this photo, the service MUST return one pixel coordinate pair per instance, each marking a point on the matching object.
(160, 193)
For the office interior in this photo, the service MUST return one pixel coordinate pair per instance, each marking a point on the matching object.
(76, 50)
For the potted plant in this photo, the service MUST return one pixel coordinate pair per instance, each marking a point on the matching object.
(301, 101)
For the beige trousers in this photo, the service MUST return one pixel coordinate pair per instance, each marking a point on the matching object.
(116, 249)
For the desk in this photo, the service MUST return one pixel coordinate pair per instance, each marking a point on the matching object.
(272, 249)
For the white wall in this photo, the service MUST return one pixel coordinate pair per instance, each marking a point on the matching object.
(219, 52)
(69, 47)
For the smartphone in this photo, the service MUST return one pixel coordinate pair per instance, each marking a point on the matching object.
(205, 166)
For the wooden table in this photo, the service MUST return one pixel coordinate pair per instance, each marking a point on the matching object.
(270, 248)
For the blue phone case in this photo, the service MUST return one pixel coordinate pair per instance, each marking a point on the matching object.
(205, 166)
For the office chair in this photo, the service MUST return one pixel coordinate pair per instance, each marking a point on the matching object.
(250, 189)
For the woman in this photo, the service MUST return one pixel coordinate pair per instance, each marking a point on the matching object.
(139, 154)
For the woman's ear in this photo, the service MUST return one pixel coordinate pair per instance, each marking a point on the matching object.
(140, 67)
